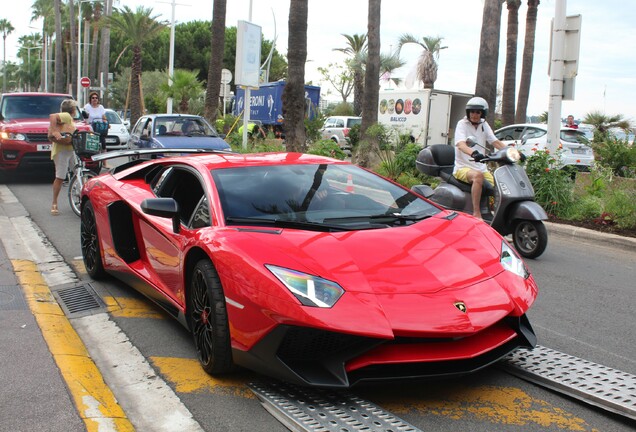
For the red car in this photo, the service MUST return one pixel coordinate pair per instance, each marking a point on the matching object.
(24, 123)
(308, 269)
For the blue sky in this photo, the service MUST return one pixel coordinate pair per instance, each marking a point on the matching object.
(607, 68)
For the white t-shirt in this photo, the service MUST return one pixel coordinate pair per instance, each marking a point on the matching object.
(482, 133)
(94, 113)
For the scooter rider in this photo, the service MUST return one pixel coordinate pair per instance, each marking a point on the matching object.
(467, 166)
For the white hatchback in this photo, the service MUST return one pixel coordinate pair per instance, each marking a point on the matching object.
(574, 149)
(118, 136)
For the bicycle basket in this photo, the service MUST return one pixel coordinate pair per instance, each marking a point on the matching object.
(100, 127)
(86, 143)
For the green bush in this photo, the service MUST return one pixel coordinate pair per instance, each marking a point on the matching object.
(617, 155)
(620, 207)
(327, 148)
(553, 187)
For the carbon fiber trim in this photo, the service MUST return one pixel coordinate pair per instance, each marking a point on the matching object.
(598, 385)
(304, 409)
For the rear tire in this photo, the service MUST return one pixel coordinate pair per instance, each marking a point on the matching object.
(530, 238)
(75, 191)
(208, 320)
(89, 239)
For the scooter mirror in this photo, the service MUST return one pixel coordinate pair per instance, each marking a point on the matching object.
(471, 141)
(524, 139)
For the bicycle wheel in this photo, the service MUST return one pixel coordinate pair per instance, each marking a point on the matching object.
(75, 190)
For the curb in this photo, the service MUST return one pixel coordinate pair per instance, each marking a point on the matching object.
(588, 234)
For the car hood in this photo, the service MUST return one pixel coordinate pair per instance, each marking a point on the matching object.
(202, 142)
(35, 125)
(407, 279)
(421, 258)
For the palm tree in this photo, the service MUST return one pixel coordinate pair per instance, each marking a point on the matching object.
(371, 80)
(357, 50)
(389, 63)
(486, 85)
(139, 27)
(29, 72)
(294, 93)
(528, 58)
(45, 9)
(185, 86)
(6, 28)
(213, 89)
(510, 71)
(603, 123)
(427, 63)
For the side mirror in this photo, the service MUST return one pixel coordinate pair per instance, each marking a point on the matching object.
(144, 137)
(471, 141)
(163, 207)
(524, 139)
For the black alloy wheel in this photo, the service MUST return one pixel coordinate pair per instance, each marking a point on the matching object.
(208, 319)
(90, 243)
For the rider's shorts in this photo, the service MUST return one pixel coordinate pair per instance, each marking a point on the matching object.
(462, 175)
(62, 160)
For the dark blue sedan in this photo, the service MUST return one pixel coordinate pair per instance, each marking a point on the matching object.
(174, 131)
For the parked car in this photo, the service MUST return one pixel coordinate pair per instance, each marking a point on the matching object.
(118, 135)
(184, 131)
(306, 268)
(24, 124)
(574, 149)
(337, 128)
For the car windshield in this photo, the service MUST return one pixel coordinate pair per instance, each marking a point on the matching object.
(321, 197)
(32, 106)
(113, 118)
(183, 126)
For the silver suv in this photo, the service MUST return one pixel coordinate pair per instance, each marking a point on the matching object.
(337, 128)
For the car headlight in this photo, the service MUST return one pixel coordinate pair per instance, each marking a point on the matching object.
(512, 262)
(13, 136)
(308, 289)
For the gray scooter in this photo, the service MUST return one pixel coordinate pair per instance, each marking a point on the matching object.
(514, 212)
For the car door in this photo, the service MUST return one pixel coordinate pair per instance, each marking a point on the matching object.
(164, 249)
(135, 141)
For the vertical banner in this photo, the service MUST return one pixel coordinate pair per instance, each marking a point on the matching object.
(248, 54)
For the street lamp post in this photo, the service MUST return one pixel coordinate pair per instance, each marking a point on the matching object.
(29, 62)
(79, 46)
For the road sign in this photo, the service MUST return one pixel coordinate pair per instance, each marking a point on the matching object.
(226, 76)
(85, 81)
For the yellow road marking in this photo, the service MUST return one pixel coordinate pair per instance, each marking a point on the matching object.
(188, 377)
(496, 404)
(93, 399)
(127, 307)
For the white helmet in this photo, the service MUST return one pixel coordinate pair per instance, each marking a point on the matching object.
(477, 103)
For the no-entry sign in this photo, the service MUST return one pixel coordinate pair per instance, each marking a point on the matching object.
(85, 81)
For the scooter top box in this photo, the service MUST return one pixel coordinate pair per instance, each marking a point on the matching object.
(442, 153)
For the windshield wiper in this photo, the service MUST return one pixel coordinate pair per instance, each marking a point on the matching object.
(384, 217)
(281, 223)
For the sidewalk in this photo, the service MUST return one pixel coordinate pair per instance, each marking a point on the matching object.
(34, 396)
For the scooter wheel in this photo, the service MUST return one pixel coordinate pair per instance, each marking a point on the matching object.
(530, 238)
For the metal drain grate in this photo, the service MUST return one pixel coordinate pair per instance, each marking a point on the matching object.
(318, 410)
(590, 382)
(79, 300)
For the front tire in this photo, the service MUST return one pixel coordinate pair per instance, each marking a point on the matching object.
(75, 191)
(530, 238)
(89, 239)
(208, 320)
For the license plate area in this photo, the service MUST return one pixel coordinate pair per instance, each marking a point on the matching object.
(45, 147)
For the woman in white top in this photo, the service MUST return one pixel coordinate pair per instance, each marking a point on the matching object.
(94, 109)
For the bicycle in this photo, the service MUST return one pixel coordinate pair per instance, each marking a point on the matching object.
(85, 144)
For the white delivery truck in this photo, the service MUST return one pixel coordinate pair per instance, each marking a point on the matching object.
(428, 115)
